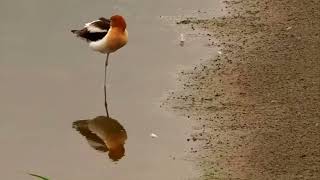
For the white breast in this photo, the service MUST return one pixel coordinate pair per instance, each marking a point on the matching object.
(99, 45)
(110, 43)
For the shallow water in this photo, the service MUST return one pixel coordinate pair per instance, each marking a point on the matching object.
(49, 79)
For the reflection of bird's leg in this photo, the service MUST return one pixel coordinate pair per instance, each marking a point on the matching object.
(105, 89)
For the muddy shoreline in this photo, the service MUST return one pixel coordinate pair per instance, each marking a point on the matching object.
(256, 104)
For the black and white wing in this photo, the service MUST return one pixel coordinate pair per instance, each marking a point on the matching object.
(94, 30)
(82, 126)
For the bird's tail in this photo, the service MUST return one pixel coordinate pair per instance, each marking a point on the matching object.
(80, 124)
(75, 31)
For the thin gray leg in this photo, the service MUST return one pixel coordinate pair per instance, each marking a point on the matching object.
(105, 88)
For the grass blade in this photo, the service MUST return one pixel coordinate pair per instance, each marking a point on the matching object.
(41, 177)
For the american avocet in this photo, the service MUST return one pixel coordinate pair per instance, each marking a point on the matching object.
(104, 134)
(105, 36)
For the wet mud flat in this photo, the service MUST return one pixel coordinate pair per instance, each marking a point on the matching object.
(256, 105)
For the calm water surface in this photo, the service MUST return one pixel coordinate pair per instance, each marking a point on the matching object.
(50, 80)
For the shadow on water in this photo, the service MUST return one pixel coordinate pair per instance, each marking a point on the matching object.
(104, 134)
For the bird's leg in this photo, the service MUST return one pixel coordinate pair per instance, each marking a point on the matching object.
(105, 88)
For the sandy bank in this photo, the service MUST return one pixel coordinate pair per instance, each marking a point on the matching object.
(257, 103)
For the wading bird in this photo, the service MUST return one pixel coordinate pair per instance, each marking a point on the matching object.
(104, 134)
(105, 36)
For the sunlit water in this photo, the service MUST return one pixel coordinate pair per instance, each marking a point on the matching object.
(50, 79)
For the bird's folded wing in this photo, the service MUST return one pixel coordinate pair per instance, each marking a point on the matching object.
(94, 30)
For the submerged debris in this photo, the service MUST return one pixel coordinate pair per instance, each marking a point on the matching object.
(153, 135)
(182, 40)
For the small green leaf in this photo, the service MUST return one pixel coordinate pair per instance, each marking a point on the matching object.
(41, 177)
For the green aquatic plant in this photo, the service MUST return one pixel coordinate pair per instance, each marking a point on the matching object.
(41, 177)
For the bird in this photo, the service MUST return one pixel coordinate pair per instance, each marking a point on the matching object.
(103, 134)
(105, 36)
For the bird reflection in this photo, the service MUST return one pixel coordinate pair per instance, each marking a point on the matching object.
(104, 134)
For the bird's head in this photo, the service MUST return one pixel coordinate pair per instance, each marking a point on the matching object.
(118, 21)
(116, 153)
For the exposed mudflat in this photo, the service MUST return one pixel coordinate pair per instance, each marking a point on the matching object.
(257, 104)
